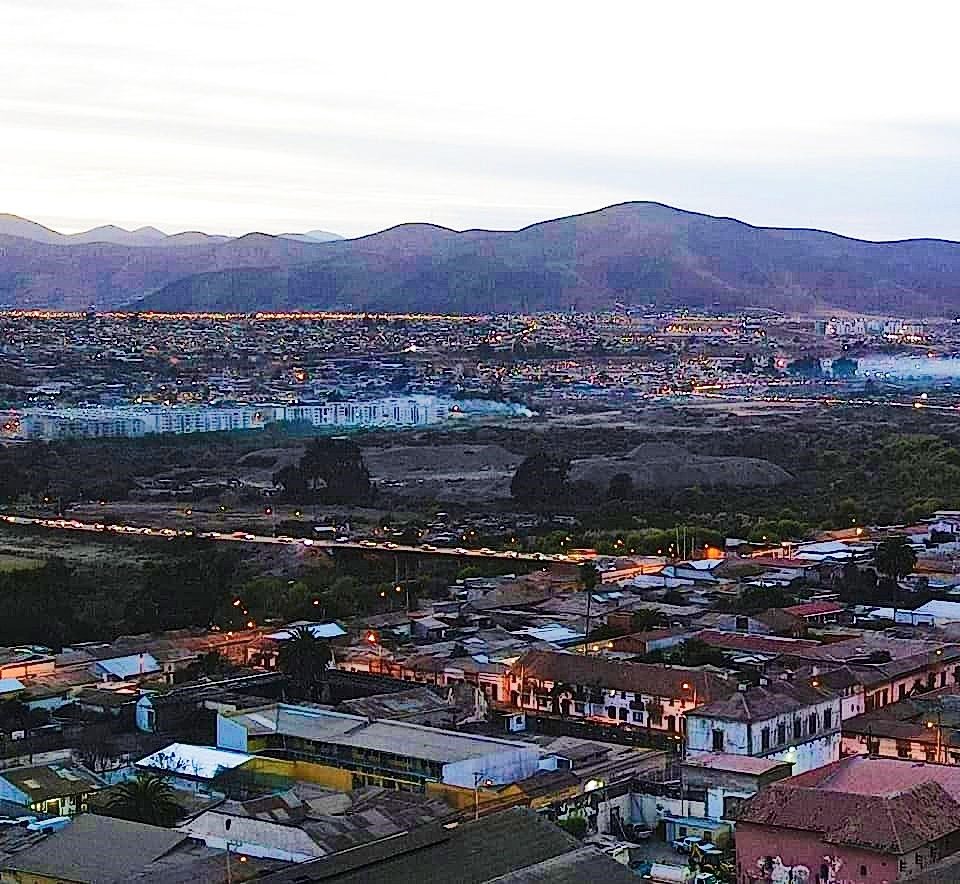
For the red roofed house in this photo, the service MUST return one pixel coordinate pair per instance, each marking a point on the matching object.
(817, 612)
(860, 820)
(588, 687)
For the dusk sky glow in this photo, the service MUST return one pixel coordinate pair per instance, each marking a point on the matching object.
(288, 116)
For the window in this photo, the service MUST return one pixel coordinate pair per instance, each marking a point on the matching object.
(765, 739)
(827, 719)
(781, 733)
(578, 708)
(718, 740)
(930, 753)
(943, 679)
(903, 748)
(637, 716)
(812, 724)
(611, 711)
(623, 714)
(797, 728)
(901, 692)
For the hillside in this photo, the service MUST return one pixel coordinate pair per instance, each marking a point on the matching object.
(633, 253)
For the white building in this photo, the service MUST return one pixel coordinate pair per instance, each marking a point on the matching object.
(781, 721)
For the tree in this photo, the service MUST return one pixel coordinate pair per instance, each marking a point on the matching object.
(541, 480)
(303, 658)
(621, 487)
(145, 799)
(895, 557)
(331, 470)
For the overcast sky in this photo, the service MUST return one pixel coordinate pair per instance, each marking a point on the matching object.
(353, 116)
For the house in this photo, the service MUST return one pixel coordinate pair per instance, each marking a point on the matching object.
(729, 779)
(381, 752)
(860, 819)
(60, 788)
(126, 668)
(817, 613)
(191, 768)
(96, 849)
(785, 721)
(514, 846)
(934, 613)
(925, 727)
(587, 687)
(264, 651)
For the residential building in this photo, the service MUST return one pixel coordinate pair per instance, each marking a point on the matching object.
(60, 788)
(782, 720)
(861, 820)
(587, 687)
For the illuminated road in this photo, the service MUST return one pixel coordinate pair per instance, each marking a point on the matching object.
(245, 537)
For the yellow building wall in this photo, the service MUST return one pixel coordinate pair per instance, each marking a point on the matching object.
(303, 771)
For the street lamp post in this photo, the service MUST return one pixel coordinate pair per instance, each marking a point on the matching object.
(939, 727)
(477, 778)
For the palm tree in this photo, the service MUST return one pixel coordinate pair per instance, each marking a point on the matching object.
(146, 799)
(589, 578)
(303, 658)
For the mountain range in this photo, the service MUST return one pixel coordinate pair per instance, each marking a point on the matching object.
(634, 253)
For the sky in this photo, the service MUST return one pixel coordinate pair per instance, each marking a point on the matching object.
(351, 117)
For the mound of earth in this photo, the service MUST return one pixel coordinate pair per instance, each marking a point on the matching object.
(663, 465)
(460, 473)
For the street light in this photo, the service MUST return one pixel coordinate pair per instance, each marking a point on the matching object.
(939, 727)
(478, 781)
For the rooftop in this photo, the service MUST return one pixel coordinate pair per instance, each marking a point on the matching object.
(393, 737)
(880, 804)
(763, 702)
(197, 761)
(515, 846)
(54, 780)
(744, 764)
(637, 678)
(96, 850)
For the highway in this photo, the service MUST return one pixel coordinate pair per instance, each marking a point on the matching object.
(61, 524)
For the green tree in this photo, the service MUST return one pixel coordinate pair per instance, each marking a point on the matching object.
(303, 658)
(542, 479)
(145, 799)
(895, 557)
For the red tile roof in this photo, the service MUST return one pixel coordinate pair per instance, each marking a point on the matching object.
(894, 824)
(761, 644)
(812, 609)
(637, 678)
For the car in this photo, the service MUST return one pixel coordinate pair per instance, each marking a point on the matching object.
(367, 543)
(487, 551)
(686, 845)
(389, 545)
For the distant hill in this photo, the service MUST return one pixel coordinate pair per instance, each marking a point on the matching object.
(632, 253)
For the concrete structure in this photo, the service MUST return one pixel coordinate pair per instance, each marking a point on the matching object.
(729, 779)
(782, 721)
(401, 754)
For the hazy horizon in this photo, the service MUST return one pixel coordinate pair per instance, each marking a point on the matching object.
(231, 117)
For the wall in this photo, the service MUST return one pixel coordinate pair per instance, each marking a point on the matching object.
(802, 854)
(507, 765)
(231, 735)
(700, 735)
(301, 771)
